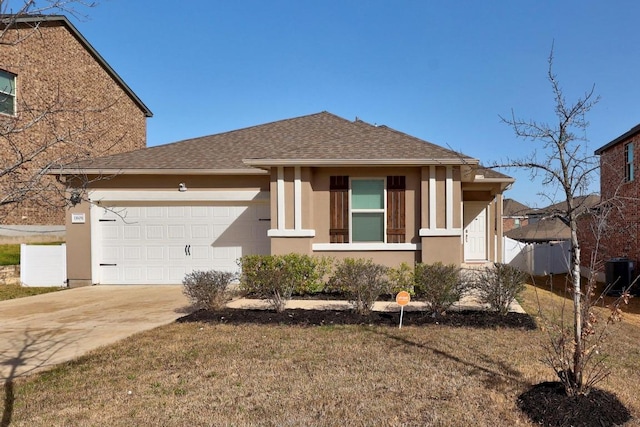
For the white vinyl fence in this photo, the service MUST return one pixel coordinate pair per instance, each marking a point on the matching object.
(43, 265)
(539, 259)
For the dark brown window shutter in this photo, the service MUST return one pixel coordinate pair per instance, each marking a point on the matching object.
(339, 206)
(396, 232)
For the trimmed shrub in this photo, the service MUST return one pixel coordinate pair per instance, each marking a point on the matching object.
(208, 289)
(498, 285)
(439, 285)
(277, 277)
(401, 279)
(361, 280)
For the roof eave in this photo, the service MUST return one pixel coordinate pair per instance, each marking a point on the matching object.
(631, 132)
(156, 171)
(356, 162)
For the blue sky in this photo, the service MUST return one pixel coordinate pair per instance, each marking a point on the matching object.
(440, 70)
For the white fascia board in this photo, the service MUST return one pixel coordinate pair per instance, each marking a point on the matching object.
(274, 232)
(353, 247)
(178, 196)
(434, 232)
(357, 162)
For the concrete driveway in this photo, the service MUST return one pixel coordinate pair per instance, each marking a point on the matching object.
(44, 330)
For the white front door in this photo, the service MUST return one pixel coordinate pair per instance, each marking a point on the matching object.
(475, 232)
(161, 244)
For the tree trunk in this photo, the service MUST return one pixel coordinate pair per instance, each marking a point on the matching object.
(578, 352)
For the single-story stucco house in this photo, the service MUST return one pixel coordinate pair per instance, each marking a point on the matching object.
(316, 184)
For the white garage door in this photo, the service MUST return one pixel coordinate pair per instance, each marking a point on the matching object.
(161, 244)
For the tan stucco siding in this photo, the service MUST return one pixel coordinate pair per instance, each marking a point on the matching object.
(285, 245)
(78, 246)
(388, 258)
(441, 197)
(444, 249)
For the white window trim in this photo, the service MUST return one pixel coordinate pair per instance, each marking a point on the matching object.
(291, 233)
(383, 210)
(629, 172)
(373, 246)
(428, 232)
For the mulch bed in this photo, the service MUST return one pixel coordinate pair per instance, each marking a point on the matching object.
(299, 317)
(547, 404)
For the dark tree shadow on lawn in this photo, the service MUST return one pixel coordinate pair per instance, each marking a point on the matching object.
(34, 353)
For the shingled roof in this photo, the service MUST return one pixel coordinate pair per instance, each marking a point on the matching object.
(316, 139)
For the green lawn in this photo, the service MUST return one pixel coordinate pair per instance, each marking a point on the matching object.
(10, 254)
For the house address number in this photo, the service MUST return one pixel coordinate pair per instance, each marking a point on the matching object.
(77, 218)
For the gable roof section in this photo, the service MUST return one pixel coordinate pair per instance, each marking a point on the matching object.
(316, 139)
(545, 230)
(628, 134)
(35, 20)
(514, 208)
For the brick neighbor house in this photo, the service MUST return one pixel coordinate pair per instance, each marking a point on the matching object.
(514, 215)
(619, 188)
(56, 91)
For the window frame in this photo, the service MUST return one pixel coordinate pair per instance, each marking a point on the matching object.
(629, 170)
(13, 96)
(382, 211)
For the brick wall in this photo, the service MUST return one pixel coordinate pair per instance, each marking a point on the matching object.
(509, 223)
(620, 238)
(57, 74)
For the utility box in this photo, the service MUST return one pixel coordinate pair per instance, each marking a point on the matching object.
(620, 273)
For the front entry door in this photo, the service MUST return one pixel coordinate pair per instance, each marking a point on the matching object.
(475, 232)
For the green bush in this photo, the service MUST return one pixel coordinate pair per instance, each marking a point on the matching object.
(498, 285)
(401, 279)
(361, 280)
(277, 277)
(208, 289)
(439, 285)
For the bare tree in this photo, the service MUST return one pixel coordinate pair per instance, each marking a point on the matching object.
(565, 166)
(53, 123)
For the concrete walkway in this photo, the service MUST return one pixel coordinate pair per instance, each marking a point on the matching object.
(468, 302)
(44, 330)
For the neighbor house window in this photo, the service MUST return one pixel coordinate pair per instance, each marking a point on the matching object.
(628, 162)
(7, 93)
(367, 210)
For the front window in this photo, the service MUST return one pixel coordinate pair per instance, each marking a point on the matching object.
(7, 93)
(367, 210)
(628, 158)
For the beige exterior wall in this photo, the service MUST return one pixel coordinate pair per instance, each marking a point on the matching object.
(445, 249)
(388, 258)
(286, 245)
(57, 75)
(79, 247)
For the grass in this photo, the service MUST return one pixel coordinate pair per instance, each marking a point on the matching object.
(10, 253)
(218, 374)
(17, 291)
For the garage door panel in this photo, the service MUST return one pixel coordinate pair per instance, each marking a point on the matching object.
(156, 244)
